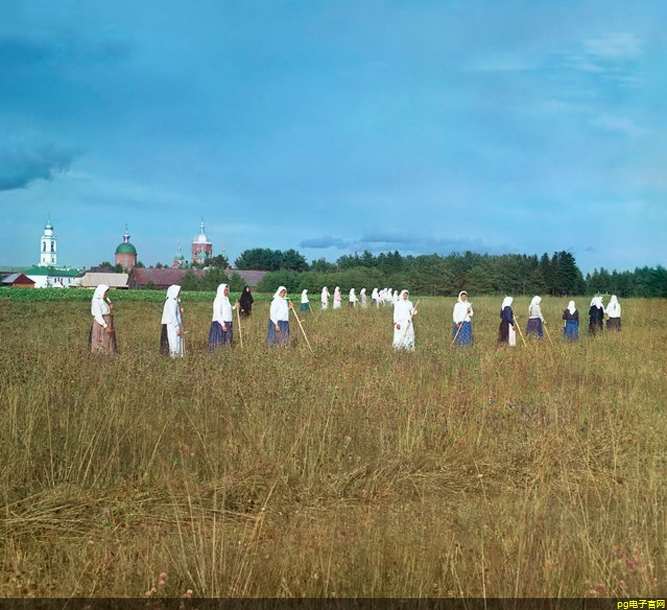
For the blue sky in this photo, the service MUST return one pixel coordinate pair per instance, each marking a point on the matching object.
(335, 126)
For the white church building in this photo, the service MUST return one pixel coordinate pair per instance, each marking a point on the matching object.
(46, 274)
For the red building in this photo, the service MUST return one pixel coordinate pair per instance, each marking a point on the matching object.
(126, 253)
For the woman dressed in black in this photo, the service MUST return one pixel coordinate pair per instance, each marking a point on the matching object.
(245, 302)
(596, 315)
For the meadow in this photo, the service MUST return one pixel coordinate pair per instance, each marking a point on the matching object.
(535, 471)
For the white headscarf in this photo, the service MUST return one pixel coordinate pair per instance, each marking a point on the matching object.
(536, 301)
(363, 292)
(337, 294)
(304, 296)
(99, 306)
(352, 297)
(173, 292)
(597, 302)
(614, 308)
(277, 294)
(222, 308)
(507, 302)
(325, 295)
(571, 307)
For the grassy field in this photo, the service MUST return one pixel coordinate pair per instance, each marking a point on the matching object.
(354, 471)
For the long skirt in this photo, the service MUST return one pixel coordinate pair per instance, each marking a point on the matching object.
(364, 303)
(571, 330)
(464, 336)
(404, 338)
(275, 338)
(614, 324)
(304, 307)
(99, 340)
(506, 334)
(336, 305)
(595, 327)
(534, 327)
(217, 338)
(171, 343)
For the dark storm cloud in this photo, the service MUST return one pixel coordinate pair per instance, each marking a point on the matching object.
(21, 165)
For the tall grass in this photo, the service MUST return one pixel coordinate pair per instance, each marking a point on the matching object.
(353, 471)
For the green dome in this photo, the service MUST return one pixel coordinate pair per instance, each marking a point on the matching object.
(179, 256)
(126, 248)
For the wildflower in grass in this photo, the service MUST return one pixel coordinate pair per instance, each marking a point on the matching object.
(91, 542)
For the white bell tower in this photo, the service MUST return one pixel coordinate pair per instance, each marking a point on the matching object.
(47, 254)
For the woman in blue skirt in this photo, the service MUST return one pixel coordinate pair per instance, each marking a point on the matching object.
(222, 332)
(462, 331)
(571, 328)
(278, 333)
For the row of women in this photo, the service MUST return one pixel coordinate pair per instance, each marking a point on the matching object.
(378, 297)
(102, 336)
(536, 321)
(103, 339)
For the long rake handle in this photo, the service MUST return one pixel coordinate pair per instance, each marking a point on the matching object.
(238, 316)
(303, 331)
(516, 323)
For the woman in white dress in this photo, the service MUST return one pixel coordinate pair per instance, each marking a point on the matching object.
(507, 331)
(336, 298)
(325, 298)
(352, 299)
(171, 341)
(404, 332)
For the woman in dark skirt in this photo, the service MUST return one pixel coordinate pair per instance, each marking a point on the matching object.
(245, 302)
(506, 332)
(222, 326)
(305, 301)
(278, 332)
(614, 313)
(571, 328)
(596, 316)
(535, 318)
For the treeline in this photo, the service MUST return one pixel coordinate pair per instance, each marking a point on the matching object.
(644, 282)
(211, 279)
(433, 274)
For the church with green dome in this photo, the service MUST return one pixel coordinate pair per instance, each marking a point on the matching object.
(126, 253)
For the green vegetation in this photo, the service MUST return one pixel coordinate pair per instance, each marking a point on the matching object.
(354, 471)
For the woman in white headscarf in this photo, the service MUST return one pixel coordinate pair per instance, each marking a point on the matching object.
(362, 298)
(535, 318)
(278, 332)
(171, 341)
(596, 316)
(325, 298)
(614, 313)
(222, 324)
(404, 332)
(462, 331)
(102, 337)
(352, 299)
(336, 298)
(375, 297)
(506, 332)
(571, 328)
(305, 303)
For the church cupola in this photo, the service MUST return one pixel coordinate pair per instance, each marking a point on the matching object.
(126, 253)
(47, 255)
